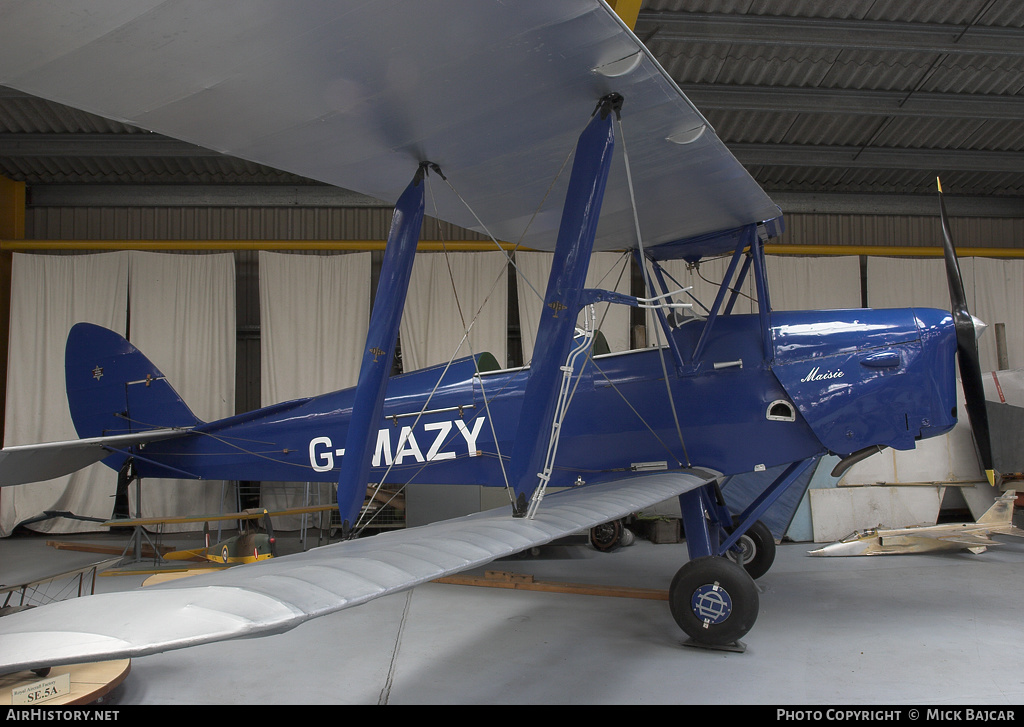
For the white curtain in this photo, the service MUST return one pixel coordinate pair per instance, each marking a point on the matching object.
(907, 283)
(49, 294)
(314, 315)
(994, 290)
(447, 294)
(813, 283)
(607, 271)
(182, 316)
(999, 298)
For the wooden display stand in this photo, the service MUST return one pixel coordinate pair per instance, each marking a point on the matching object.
(89, 682)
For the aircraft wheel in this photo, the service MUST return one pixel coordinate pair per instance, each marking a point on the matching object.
(713, 600)
(756, 550)
(607, 536)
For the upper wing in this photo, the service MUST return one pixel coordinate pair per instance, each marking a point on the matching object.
(27, 463)
(275, 595)
(356, 94)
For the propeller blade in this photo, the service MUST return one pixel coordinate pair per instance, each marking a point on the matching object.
(957, 296)
(968, 357)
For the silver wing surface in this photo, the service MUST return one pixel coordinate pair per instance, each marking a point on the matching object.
(275, 595)
(357, 93)
(22, 464)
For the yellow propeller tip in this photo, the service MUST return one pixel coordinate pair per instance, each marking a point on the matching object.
(991, 475)
(938, 183)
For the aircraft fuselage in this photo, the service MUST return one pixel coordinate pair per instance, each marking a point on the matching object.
(839, 381)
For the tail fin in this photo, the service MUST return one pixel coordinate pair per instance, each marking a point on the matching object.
(114, 389)
(1001, 510)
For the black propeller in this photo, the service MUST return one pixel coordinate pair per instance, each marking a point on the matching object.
(967, 349)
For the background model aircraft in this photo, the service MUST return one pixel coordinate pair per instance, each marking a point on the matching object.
(975, 537)
(248, 546)
(720, 394)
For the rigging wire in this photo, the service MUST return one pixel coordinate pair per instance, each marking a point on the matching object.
(455, 292)
(509, 253)
(647, 281)
(509, 256)
(737, 291)
(465, 341)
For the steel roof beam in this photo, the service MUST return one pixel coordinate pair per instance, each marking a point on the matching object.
(152, 145)
(315, 196)
(847, 157)
(98, 145)
(758, 99)
(830, 33)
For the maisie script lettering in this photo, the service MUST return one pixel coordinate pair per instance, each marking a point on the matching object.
(818, 375)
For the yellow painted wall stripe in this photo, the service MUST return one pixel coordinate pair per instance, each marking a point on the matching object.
(627, 10)
(9, 245)
(342, 245)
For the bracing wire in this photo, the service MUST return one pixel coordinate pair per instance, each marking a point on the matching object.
(647, 282)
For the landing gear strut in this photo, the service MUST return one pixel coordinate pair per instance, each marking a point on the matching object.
(713, 598)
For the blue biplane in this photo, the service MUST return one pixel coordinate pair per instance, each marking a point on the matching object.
(485, 101)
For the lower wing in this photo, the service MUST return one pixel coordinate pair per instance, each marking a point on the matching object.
(276, 595)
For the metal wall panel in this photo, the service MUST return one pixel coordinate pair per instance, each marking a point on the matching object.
(223, 223)
(900, 230)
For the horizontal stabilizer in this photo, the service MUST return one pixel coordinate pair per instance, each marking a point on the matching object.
(27, 463)
(275, 595)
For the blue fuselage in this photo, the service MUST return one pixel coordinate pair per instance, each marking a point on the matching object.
(838, 381)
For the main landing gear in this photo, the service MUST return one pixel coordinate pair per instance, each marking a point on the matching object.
(713, 597)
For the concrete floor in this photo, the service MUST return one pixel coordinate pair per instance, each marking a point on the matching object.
(941, 629)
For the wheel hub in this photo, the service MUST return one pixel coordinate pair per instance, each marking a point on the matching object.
(743, 552)
(711, 604)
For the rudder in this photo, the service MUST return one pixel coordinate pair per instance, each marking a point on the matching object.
(114, 389)
(1001, 510)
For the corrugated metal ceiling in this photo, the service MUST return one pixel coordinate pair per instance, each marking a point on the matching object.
(868, 97)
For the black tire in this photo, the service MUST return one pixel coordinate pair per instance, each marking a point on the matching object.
(757, 550)
(606, 537)
(713, 600)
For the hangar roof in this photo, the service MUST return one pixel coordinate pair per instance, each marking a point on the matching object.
(851, 107)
